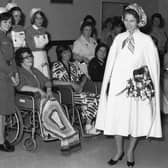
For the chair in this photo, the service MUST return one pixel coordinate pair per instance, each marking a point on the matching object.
(28, 103)
(67, 98)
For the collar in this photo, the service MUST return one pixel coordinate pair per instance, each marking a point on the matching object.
(35, 27)
(83, 39)
(135, 31)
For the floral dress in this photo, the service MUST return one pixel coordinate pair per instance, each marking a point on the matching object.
(87, 101)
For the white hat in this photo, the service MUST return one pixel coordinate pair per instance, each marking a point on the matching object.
(33, 11)
(142, 15)
(11, 5)
(3, 10)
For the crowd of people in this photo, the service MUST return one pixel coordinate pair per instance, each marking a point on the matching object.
(124, 106)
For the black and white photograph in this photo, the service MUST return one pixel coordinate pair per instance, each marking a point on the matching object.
(83, 84)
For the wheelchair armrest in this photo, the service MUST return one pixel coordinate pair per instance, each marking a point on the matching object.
(25, 93)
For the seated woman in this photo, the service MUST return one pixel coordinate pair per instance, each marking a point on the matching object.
(96, 66)
(33, 80)
(64, 71)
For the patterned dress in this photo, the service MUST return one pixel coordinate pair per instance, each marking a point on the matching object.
(87, 101)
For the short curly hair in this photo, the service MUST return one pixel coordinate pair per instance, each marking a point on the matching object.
(19, 55)
(5, 16)
(60, 49)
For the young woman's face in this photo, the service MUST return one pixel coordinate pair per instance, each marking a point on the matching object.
(87, 31)
(66, 55)
(130, 22)
(27, 59)
(101, 53)
(38, 20)
(5, 25)
(17, 16)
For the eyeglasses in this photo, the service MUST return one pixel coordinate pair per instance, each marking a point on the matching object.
(27, 57)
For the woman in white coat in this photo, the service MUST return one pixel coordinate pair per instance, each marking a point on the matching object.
(122, 112)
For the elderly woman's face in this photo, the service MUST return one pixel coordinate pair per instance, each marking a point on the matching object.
(27, 59)
(38, 20)
(17, 16)
(130, 22)
(87, 31)
(5, 25)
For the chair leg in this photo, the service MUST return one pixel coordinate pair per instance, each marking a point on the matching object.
(82, 130)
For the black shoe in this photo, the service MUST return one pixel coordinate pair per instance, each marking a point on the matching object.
(130, 164)
(113, 162)
(75, 146)
(7, 147)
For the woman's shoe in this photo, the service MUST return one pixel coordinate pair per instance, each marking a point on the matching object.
(130, 164)
(113, 162)
(7, 147)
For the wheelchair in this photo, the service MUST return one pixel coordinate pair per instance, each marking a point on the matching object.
(14, 127)
(28, 104)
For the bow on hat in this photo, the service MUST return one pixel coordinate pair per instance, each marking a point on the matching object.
(142, 16)
(33, 11)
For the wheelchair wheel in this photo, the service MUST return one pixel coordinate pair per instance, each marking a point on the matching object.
(14, 127)
(30, 144)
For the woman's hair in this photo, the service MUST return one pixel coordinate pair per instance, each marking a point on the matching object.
(60, 49)
(91, 18)
(132, 12)
(19, 55)
(99, 46)
(22, 20)
(5, 16)
(86, 24)
(159, 16)
(45, 21)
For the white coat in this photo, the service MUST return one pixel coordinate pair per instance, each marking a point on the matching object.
(122, 115)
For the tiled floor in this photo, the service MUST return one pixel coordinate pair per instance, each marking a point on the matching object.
(94, 154)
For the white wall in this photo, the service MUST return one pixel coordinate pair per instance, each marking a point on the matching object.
(64, 19)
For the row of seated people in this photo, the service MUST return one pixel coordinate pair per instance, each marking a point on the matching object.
(33, 80)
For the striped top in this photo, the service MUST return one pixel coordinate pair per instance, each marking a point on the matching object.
(60, 72)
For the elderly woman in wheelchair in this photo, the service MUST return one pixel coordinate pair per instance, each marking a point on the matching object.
(67, 72)
(55, 122)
